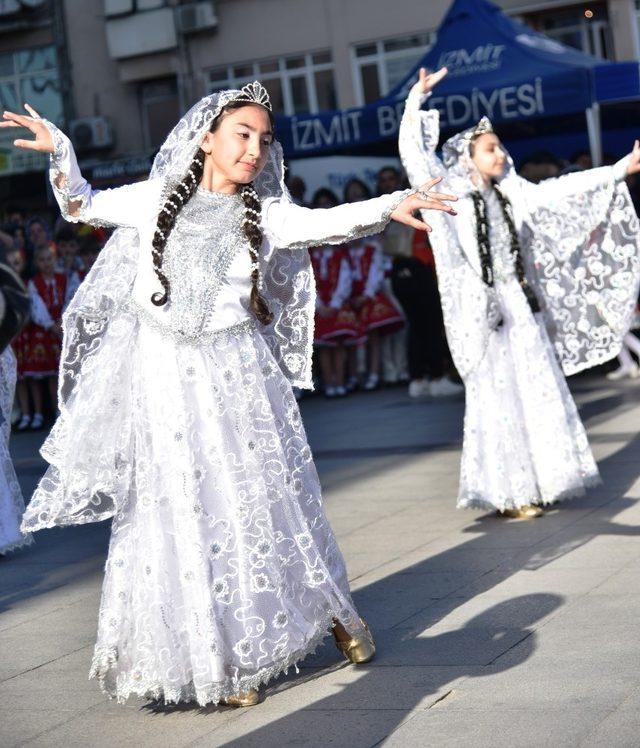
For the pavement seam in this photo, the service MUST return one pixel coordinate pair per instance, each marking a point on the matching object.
(48, 662)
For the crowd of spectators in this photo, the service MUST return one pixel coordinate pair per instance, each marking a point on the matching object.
(378, 314)
(52, 260)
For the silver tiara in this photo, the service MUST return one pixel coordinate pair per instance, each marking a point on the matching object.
(254, 93)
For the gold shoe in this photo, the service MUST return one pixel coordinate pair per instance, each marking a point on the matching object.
(358, 650)
(244, 698)
(528, 511)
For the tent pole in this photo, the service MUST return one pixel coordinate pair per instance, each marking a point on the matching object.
(595, 134)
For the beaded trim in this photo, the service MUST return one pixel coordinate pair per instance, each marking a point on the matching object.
(202, 338)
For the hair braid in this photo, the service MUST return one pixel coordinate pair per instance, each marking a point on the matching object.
(253, 233)
(482, 235)
(169, 212)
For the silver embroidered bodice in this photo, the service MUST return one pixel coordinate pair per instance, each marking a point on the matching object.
(499, 238)
(204, 241)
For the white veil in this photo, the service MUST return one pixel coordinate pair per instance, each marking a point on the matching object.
(90, 464)
(581, 252)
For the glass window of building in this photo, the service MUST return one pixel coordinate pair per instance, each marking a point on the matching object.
(583, 27)
(160, 110)
(298, 84)
(379, 66)
(29, 75)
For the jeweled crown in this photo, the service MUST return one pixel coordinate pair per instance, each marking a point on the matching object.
(254, 93)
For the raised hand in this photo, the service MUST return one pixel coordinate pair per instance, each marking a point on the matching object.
(428, 81)
(42, 141)
(423, 200)
(634, 163)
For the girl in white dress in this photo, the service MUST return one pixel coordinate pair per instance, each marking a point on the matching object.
(530, 276)
(178, 418)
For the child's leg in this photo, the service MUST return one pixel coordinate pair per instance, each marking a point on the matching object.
(353, 361)
(337, 365)
(52, 383)
(374, 352)
(624, 357)
(22, 390)
(326, 355)
(630, 341)
(35, 390)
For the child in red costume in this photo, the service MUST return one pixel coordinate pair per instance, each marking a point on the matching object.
(335, 322)
(377, 314)
(49, 291)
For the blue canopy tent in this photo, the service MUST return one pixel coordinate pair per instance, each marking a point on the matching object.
(497, 67)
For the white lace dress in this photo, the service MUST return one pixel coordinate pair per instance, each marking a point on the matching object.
(222, 569)
(523, 442)
(11, 501)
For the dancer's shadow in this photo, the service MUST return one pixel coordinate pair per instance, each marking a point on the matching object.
(390, 687)
(61, 558)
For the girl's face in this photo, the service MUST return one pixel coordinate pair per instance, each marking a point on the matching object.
(488, 156)
(16, 261)
(355, 193)
(37, 235)
(324, 201)
(239, 147)
(18, 238)
(45, 261)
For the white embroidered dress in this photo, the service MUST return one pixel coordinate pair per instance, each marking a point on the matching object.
(524, 442)
(11, 501)
(180, 423)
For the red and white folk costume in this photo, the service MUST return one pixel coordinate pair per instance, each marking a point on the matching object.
(378, 312)
(332, 274)
(49, 297)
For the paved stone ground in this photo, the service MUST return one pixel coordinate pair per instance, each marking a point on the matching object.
(490, 633)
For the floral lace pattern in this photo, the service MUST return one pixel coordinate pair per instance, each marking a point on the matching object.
(222, 567)
(580, 239)
(524, 442)
(11, 501)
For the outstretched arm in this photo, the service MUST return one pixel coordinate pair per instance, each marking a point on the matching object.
(290, 226)
(550, 191)
(420, 131)
(122, 206)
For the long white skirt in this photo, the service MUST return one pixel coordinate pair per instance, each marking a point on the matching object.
(11, 501)
(524, 442)
(223, 570)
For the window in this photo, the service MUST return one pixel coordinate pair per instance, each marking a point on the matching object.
(572, 26)
(160, 110)
(29, 75)
(379, 66)
(298, 84)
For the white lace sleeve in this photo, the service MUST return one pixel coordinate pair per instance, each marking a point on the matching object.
(289, 226)
(121, 206)
(39, 312)
(550, 193)
(418, 140)
(343, 287)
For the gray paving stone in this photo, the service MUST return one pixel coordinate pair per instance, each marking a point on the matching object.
(489, 633)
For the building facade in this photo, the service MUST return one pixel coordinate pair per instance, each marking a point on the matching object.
(117, 73)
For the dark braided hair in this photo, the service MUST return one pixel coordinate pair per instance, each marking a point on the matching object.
(167, 219)
(178, 198)
(253, 233)
(484, 248)
(482, 233)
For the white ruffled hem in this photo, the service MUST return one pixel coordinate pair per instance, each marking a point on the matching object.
(479, 502)
(105, 660)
